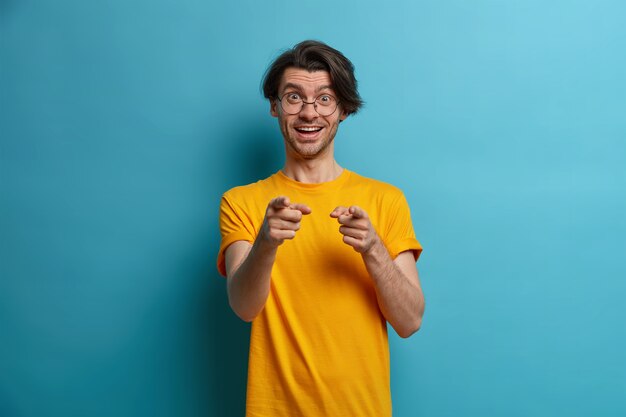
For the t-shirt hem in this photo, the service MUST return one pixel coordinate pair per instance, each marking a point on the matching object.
(404, 245)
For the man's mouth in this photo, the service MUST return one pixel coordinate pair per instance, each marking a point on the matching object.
(308, 131)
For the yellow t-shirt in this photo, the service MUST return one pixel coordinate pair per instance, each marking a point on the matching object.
(319, 347)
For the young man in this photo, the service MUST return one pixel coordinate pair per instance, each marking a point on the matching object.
(317, 257)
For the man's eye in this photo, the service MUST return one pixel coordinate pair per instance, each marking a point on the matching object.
(293, 97)
(325, 99)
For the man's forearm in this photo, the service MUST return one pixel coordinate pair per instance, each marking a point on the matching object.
(400, 300)
(249, 282)
(249, 286)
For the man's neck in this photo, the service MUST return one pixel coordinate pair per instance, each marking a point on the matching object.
(312, 171)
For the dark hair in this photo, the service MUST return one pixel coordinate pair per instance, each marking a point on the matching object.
(316, 56)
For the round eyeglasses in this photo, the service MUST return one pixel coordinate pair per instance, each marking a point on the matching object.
(292, 103)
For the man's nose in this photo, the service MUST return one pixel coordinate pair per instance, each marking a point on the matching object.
(308, 111)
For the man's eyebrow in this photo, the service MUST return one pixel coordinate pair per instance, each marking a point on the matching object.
(292, 86)
(324, 87)
(299, 87)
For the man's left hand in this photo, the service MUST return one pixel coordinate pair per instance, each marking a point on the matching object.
(356, 228)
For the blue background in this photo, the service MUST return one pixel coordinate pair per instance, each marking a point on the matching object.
(123, 122)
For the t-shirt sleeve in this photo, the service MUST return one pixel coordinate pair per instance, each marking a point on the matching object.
(235, 225)
(399, 236)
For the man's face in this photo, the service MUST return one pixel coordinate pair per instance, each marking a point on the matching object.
(307, 134)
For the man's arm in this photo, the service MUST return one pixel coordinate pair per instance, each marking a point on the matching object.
(248, 267)
(397, 285)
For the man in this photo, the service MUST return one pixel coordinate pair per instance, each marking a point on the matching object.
(317, 257)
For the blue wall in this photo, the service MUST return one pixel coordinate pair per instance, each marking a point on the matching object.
(121, 124)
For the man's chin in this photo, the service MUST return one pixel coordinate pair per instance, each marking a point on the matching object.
(308, 154)
(308, 150)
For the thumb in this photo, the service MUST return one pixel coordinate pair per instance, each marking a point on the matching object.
(280, 202)
(357, 212)
(338, 211)
(303, 208)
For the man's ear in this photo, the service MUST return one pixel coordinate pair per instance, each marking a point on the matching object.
(273, 107)
(343, 116)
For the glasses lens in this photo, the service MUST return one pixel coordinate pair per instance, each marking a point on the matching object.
(326, 105)
(292, 103)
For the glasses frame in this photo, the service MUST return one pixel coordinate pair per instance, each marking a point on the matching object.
(314, 103)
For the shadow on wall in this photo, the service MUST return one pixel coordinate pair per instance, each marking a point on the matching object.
(5, 7)
(6, 408)
(251, 151)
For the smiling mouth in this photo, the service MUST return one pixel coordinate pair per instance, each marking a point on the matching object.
(308, 131)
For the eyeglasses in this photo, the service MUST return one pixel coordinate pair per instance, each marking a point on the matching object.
(292, 103)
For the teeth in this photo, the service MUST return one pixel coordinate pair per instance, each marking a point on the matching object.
(309, 129)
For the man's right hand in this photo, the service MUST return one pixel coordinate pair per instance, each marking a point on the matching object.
(248, 267)
(282, 220)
